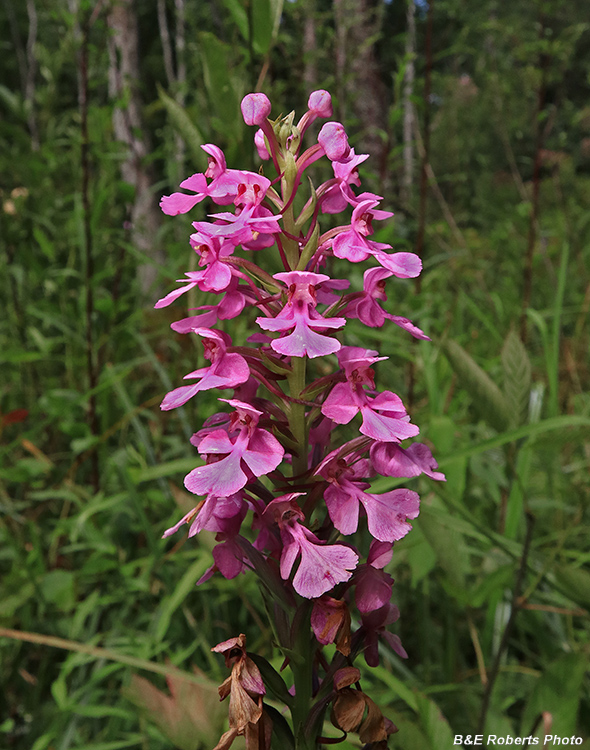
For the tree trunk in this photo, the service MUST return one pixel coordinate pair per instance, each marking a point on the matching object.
(128, 126)
(359, 80)
(408, 106)
(310, 73)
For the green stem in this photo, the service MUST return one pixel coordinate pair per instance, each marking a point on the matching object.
(297, 421)
(302, 675)
(290, 246)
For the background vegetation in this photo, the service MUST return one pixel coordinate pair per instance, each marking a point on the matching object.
(477, 117)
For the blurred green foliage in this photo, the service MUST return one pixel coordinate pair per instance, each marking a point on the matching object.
(509, 423)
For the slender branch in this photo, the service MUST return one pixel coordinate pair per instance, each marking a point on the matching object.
(18, 45)
(166, 45)
(517, 604)
(31, 70)
(426, 149)
(85, 163)
(97, 652)
(527, 280)
(408, 107)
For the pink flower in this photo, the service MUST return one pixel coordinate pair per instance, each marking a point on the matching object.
(255, 108)
(387, 514)
(373, 588)
(391, 460)
(232, 303)
(260, 144)
(320, 103)
(384, 417)
(190, 282)
(216, 275)
(335, 195)
(322, 566)
(217, 514)
(226, 370)
(374, 624)
(367, 309)
(221, 189)
(353, 245)
(300, 315)
(333, 139)
(244, 227)
(252, 452)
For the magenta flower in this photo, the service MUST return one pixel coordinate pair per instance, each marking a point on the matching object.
(320, 103)
(374, 624)
(255, 108)
(232, 303)
(366, 308)
(260, 144)
(391, 460)
(222, 188)
(384, 417)
(225, 371)
(243, 227)
(216, 274)
(335, 195)
(322, 566)
(333, 139)
(352, 243)
(372, 588)
(387, 514)
(300, 315)
(252, 452)
(213, 514)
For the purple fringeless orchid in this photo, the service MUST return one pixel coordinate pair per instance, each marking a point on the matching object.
(309, 430)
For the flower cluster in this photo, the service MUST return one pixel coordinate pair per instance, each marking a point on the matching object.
(271, 456)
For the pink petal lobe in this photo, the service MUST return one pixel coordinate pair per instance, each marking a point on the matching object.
(179, 203)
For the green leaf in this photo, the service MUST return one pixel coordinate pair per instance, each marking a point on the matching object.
(239, 16)
(133, 740)
(280, 729)
(498, 579)
(219, 82)
(398, 686)
(433, 723)
(166, 469)
(272, 679)
(187, 129)
(58, 588)
(517, 378)
(516, 498)
(46, 245)
(262, 26)
(183, 588)
(558, 691)
(575, 583)
(485, 394)
(441, 431)
(446, 541)
(530, 430)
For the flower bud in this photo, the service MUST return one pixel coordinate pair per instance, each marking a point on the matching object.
(320, 103)
(334, 141)
(255, 108)
(260, 144)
